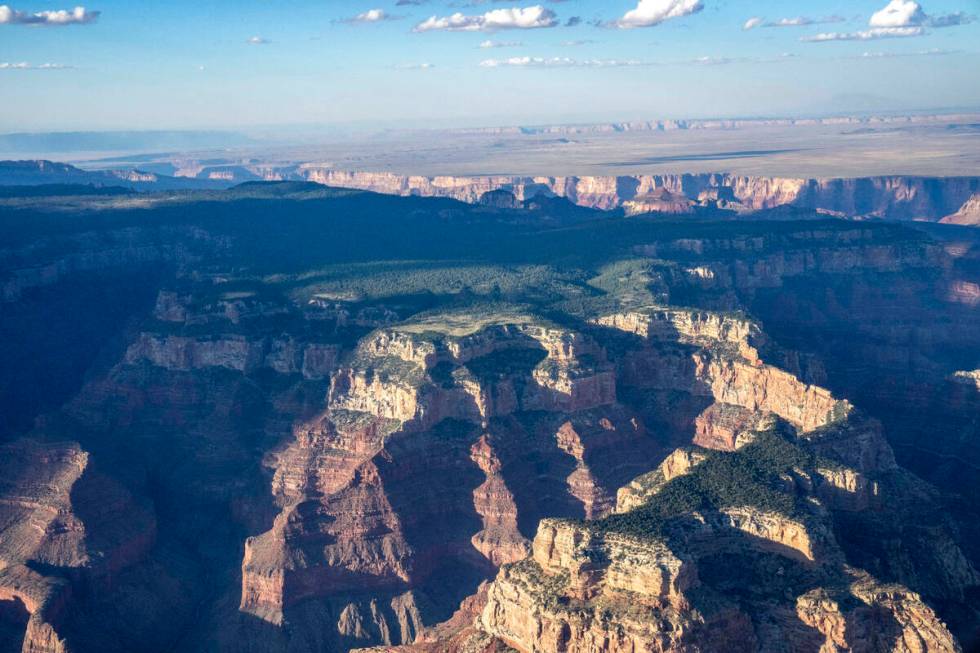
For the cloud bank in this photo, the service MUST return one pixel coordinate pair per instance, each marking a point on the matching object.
(489, 45)
(558, 62)
(370, 16)
(899, 19)
(804, 21)
(23, 65)
(866, 35)
(76, 16)
(497, 19)
(899, 13)
(653, 12)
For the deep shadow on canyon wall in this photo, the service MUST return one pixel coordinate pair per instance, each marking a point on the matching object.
(53, 336)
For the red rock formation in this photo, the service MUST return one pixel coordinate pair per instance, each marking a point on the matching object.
(56, 513)
(404, 473)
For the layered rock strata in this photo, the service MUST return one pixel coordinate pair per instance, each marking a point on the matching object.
(902, 198)
(618, 586)
(429, 457)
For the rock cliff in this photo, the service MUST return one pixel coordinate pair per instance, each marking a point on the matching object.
(896, 198)
(653, 579)
(62, 525)
(969, 213)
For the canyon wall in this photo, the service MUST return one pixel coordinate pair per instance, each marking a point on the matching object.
(895, 198)
(931, 199)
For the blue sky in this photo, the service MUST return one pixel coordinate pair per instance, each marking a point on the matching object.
(136, 64)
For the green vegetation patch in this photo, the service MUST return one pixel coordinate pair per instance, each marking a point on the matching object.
(748, 477)
(387, 279)
(461, 322)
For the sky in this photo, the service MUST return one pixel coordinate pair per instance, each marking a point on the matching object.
(201, 64)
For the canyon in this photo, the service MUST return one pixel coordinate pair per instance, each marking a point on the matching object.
(431, 416)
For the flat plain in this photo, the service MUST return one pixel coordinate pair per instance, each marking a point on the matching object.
(935, 146)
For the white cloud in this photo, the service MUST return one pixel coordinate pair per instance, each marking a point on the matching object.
(799, 21)
(899, 19)
(724, 61)
(752, 23)
(23, 65)
(76, 16)
(496, 19)
(866, 35)
(559, 62)
(489, 45)
(907, 13)
(804, 21)
(370, 16)
(567, 62)
(653, 12)
(712, 61)
(934, 52)
(899, 13)
(415, 66)
(257, 40)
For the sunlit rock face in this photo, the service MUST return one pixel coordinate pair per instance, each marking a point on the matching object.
(968, 215)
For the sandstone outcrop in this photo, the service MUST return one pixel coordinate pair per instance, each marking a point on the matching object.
(753, 386)
(967, 378)
(705, 329)
(968, 215)
(659, 201)
(234, 352)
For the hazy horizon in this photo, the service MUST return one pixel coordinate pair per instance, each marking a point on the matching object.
(428, 63)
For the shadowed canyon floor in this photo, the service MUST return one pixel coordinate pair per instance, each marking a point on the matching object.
(291, 418)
